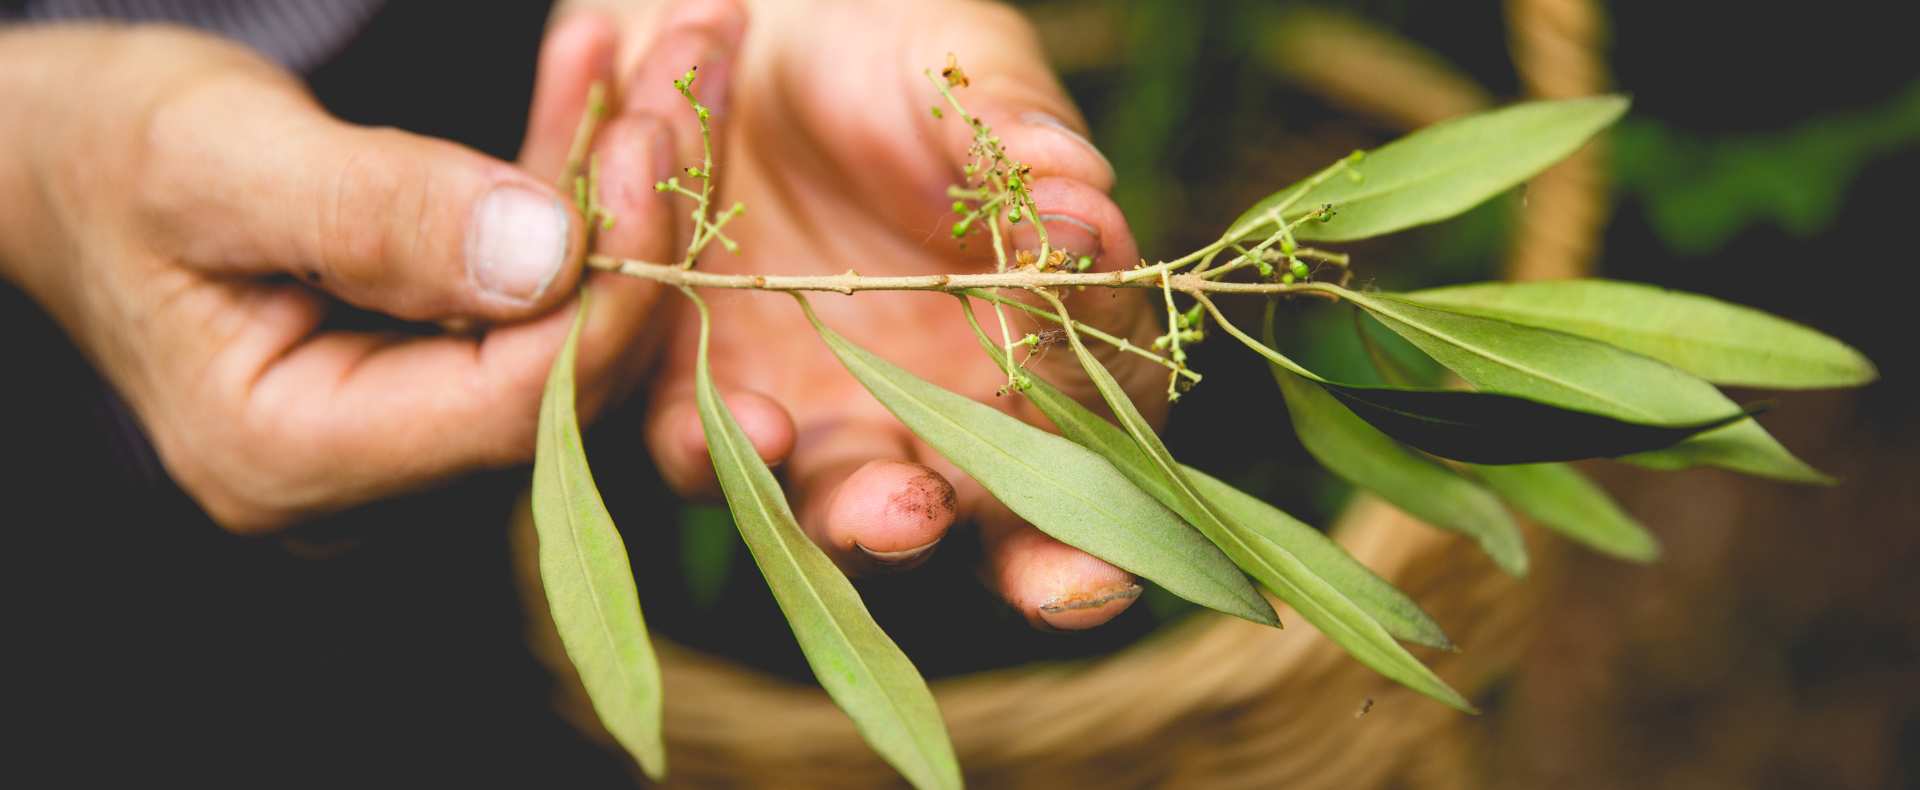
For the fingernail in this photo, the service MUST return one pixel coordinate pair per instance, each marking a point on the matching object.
(1066, 234)
(1080, 610)
(1051, 122)
(886, 558)
(517, 242)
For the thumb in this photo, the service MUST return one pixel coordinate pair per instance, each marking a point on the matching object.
(251, 177)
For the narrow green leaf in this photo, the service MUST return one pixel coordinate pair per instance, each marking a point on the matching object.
(1566, 370)
(1561, 498)
(1390, 607)
(1552, 367)
(1489, 428)
(1370, 459)
(1060, 487)
(1337, 616)
(1484, 427)
(858, 665)
(588, 580)
(1743, 447)
(1378, 597)
(1720, 342)
(1440, 171)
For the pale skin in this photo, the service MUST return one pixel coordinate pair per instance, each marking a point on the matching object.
(237, 174)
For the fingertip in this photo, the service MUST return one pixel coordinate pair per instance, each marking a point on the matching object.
(678, 439)
(577, 50)
(888, 516)
(1085, 215)
(766, 423)
(1056, 586)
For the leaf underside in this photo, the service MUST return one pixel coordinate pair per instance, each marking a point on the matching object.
(588, 580)
(1337, 616)
(1379, 598)
(860, 667)
(1559, 497)
(1060, 487)
(1370, 459)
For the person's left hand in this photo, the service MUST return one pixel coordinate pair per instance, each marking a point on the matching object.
(842, 165)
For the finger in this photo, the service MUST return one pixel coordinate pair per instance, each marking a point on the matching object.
(248, 177)
(369, 417)
(1010, 87)
(620, 340)
(870, 513)
(678, 442)
(576, 52)
(1081, 220)
(1054, 586)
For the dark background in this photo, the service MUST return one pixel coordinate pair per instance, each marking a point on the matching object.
(146, 642)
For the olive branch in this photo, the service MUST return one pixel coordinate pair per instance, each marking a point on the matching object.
(1559, 371)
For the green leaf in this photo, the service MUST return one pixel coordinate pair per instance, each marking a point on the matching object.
(1438, 172)
(858, 665)
(1370, 459)
(588, 580)
(1489, 428)
(1551, 367)
(1382, 601)
(1742, 446)
(1058, 486)
(1717, 341)
(1385, 603)
(1561, 498)
(1337, 616)
(1484, 427)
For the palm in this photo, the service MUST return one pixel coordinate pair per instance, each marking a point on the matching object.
(841, 165)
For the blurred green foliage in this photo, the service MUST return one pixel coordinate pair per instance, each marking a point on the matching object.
(1699, 194)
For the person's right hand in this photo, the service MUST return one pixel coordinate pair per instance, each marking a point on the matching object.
(156, 181)
(831, 146)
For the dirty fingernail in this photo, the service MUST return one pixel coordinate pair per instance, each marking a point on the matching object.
(517, 242)
(1088, 609)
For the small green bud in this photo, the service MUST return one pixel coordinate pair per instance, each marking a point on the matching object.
(1286, 278)
(1286, 247)
(1013, 182)
(1085, 263)
(1014, 216)
(959, 229)
(730, 244)
(1180, 355)
(1300, 270)
(1161, 342)
(959, 207)
(704, 115)
(1356, 157)
(1266, 269)
(660, 186)
(937, 113)
(1193, 315)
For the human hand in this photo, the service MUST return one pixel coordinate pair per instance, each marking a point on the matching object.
(842, 166)
(164, 192)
